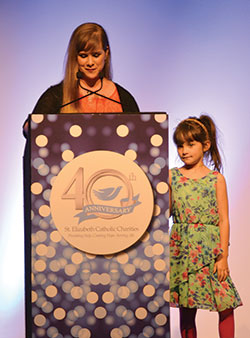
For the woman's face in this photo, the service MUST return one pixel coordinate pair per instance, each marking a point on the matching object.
(92, 62)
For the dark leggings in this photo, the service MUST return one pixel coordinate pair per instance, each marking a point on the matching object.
(188, 327)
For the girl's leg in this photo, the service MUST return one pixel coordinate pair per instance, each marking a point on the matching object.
(226, 323)
(187, 322)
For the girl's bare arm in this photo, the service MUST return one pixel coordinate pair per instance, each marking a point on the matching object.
(221, 265)
(170, 195)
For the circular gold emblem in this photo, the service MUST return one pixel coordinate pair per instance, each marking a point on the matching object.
(101, 202)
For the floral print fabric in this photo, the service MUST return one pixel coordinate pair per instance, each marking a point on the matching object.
(195, 245)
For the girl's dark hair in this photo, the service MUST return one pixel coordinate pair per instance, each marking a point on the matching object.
(200, 129)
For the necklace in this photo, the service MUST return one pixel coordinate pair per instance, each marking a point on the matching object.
(91, 92)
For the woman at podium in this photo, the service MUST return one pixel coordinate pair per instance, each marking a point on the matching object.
(87, 85)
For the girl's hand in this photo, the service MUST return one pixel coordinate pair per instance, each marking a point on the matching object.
(221, 266)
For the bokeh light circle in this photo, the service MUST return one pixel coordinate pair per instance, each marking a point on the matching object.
(122, 130)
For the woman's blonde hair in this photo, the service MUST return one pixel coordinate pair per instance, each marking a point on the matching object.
(85, 37)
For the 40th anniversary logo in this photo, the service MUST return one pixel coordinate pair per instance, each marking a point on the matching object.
(101, 202)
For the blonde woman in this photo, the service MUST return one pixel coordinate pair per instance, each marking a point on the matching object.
(87, 85)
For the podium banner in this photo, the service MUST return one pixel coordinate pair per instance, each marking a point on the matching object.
(99, 226)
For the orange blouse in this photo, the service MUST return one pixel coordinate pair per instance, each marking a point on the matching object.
(97, 104)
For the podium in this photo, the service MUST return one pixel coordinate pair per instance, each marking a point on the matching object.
(96, 226)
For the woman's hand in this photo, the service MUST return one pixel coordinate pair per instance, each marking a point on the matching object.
(26, 129)
(221, 267)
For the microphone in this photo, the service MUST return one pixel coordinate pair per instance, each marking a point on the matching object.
(79, 75)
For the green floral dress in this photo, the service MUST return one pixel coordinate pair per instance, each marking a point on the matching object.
(195, 244)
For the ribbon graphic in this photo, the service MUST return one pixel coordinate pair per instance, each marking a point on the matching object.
(88, 211)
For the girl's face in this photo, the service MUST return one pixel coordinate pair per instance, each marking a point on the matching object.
(91, 63)
(191, 152)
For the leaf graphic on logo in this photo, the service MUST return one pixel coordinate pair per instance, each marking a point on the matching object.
(107, 194)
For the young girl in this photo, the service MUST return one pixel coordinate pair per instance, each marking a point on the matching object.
(199, 273)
